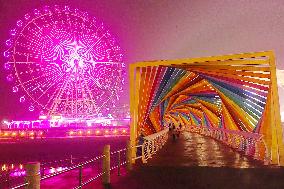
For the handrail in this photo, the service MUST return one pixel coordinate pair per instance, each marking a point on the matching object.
(252, 144)
(80, 166)
(153, 143)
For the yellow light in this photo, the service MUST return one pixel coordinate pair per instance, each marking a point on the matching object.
(80, 132)
(4, 168)
(22, 133)
(14, 134)
(124, 131)
(89, 132)
(71, 133)
(32, 133)
(21, 166)
(115, 131)
(5, 134)
(106, 131)
(97, 132)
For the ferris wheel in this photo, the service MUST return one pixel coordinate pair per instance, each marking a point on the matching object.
(64, 62)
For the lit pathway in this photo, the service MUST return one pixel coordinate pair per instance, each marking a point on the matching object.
(195, 162)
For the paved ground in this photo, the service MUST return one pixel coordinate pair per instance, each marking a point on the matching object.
(193, 161)
(196, 161)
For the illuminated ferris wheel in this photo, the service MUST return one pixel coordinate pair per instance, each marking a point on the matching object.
(64, 62)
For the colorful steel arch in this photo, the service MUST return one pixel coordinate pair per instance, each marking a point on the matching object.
(236, 93)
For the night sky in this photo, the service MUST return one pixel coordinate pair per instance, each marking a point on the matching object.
(153, 30)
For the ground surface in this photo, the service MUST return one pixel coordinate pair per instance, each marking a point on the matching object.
(196, 161)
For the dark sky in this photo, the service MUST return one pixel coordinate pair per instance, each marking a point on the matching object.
(152, 30)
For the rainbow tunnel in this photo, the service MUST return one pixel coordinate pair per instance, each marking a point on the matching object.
(233, 98)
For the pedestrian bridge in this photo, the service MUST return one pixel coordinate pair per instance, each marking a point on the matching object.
(199, 161)
(233, 98)
(229, 109)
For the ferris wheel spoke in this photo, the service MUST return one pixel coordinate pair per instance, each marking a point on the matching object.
(52, 83)
(90, 48)
(60, 92)
(32, 80)
(70, 63)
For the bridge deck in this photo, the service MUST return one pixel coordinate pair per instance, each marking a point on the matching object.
(195, 161)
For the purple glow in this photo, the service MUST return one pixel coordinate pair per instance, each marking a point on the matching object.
(7, 54)
(19, 23)
(7, 66)
(22, 99)
(27, 16)
(8, 42)
(15, 89)
(36, 12)
(31, 108)
(73, 68)
(10, 78)
(13, 32)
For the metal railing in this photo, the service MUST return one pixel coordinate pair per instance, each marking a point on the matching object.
(150, 146)
(152, 143)
(86, 164)
(252, 144)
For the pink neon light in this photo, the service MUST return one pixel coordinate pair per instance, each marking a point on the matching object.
(67, 51)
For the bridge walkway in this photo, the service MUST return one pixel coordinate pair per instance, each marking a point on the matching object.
(198, 162)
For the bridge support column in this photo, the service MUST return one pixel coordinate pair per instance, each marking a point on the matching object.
(106, 165)
(33, 175)
(129, 151)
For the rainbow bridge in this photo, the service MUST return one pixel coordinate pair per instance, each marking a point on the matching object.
(231, 98)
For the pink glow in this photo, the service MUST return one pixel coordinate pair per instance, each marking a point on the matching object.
(78, 60)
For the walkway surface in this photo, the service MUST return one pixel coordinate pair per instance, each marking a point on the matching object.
(195, 161)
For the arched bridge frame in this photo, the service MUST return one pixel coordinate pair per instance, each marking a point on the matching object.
(226, 94)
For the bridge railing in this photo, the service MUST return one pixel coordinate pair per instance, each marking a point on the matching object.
(111, 161)
(249, 143)
(102, 166)
(152, 143)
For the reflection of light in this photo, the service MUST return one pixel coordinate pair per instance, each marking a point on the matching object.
(6, 122)
(4, 168)
(42, 117)
(52, 170)
(59, 169)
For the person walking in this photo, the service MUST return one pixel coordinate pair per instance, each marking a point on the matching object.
(174, 132)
